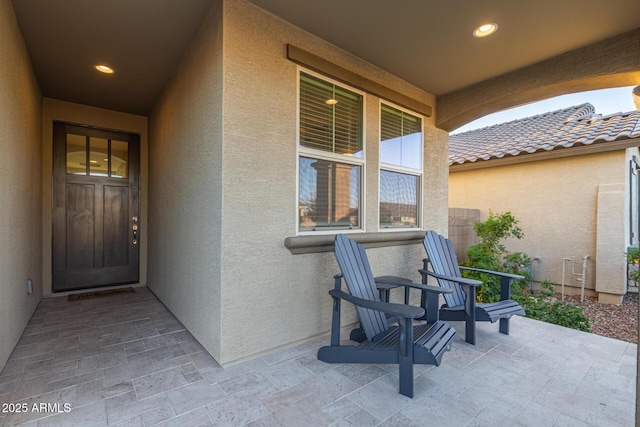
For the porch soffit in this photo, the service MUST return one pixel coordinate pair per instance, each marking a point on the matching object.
(428, 44)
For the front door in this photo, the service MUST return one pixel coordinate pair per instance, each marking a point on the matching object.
(96, 226)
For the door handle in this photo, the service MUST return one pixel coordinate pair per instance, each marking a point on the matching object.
(134, 227)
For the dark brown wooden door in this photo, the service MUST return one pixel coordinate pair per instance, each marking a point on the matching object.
(96, 227)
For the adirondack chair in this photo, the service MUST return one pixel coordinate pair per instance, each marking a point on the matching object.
(405, 344)
(461, 303)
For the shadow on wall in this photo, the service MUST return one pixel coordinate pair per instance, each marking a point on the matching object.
(461, 232)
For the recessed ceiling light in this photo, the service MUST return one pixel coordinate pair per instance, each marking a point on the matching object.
(331, 101)
(104, 69)
(485, 30)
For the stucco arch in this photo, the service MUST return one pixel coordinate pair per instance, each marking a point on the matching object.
(609, 63)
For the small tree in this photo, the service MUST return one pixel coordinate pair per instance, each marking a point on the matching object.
(491, 254)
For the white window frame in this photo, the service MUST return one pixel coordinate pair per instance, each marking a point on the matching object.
(333, 157)
(401, 169)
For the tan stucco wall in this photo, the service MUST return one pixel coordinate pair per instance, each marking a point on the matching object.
(56, 110)
(185, 195)
(271, 298)
(223, 188)
(610, 243)
(20, 184)
(556, 202)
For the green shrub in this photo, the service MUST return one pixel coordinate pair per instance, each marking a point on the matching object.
(633, 260)
(542, 307)
(491, 254)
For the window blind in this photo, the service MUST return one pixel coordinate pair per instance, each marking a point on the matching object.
(330, 117)
(400, 138)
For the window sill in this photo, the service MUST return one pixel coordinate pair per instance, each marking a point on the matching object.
(324, 243)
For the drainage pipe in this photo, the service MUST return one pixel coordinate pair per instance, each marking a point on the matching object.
(584, 275)
(532, 279)
(564, 263)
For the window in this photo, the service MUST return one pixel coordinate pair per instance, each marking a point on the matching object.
(400, 167)
(104, 157)
(330, 155)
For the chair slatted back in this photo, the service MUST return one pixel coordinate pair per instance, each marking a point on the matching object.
(356, 271)
(443, 260)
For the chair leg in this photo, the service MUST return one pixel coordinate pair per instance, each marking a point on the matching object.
(470, 315)
(505, 294)
(406, 377)
(405, 358)
(504, 326)
(470, 330)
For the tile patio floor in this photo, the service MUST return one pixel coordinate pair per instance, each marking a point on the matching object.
(126, 361)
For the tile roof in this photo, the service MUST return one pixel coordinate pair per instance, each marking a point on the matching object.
(570, 127)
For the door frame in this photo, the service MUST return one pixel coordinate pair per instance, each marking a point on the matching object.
(100, 275)
(83, 115)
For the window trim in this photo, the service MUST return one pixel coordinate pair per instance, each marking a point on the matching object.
(302, 151)
(402, 169)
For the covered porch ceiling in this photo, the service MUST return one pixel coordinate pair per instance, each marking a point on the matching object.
(428, 43)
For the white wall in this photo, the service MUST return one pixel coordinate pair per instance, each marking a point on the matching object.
(20, 184)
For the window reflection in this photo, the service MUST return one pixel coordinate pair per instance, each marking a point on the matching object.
(329, 194)
(76, 154)
(398, 199)
(401, 138)
(106, 158)
(119, 159)
(98, 156)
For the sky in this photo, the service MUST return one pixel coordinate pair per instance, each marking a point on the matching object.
(605, 101)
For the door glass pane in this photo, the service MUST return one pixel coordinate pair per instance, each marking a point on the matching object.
(76, 154)
(98, 156)
(119, 159)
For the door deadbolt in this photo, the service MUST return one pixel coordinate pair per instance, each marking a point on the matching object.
(134, 227)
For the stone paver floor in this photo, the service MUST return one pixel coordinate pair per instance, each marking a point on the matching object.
(126, 361)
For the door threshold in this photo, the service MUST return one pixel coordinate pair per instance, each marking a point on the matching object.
(93, 290)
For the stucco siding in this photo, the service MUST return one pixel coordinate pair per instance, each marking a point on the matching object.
(20, 184)
(556, 203)
(271, 298)
(610, 242)
(185, 193)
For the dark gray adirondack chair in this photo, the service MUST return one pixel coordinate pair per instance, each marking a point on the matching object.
(461, 303)
(405, 344)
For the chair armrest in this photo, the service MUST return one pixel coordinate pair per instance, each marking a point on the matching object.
(495, 273)
(400, 281)
(398, 310)
(430, 288)
(461, 280)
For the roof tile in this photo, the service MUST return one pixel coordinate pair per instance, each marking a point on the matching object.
(565, 128)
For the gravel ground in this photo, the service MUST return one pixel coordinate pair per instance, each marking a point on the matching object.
(613, 321)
